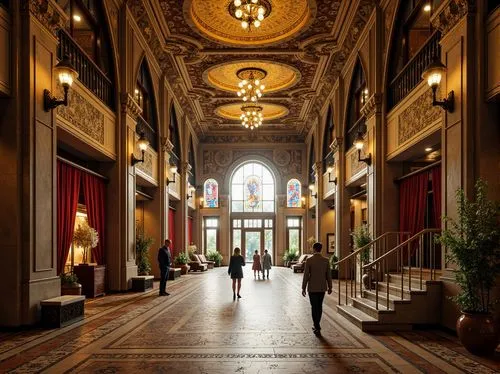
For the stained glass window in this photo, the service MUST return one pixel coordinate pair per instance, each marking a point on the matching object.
(211, 194)
(293, 194)
(252, 189)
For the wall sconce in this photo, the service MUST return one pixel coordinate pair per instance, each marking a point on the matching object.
(191, 192)
(433, 74)
(303, 199)
(173, 170)
(142, 143)
(330, 180)
(359, 143)
(66, 74)
(311, 188)
(202, 200)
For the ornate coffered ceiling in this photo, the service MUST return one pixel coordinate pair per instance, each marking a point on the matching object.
(302, 45)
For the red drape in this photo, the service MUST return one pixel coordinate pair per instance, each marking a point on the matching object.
(436, 195)
(190, 230)
(412, 201)
(171, 230)
(68, 189)
(94, 191)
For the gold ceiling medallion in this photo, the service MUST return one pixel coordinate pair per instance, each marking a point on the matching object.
(252, 116)
(250, 12)
(251, 88)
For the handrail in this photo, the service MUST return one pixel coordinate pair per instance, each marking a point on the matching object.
(405, 243)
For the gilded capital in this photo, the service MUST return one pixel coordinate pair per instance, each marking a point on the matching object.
(317, 166)
(50, 15)
(129, 105)
(450, 12)
(166, 145)
(372, 106)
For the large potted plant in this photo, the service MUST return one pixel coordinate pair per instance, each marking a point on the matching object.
(142, 245)
(334, 268)
(69, 284)
(473, 244)
(215, 256)
(361, 237)
(289, 256)
(181, 261)
(86, 238)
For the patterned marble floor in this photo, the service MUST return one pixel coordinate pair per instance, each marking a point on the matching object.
(199, 329)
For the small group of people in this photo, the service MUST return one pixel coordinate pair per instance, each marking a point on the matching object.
(261, 264)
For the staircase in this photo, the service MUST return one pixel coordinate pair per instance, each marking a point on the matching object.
(403, 294)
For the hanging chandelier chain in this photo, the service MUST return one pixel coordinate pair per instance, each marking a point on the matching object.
(250, 12)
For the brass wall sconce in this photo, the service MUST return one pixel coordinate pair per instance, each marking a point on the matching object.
(66, 74)
(330, 180)
(202, 201)
(311, 188)
(191, 192)
(303, 199)
(359, 143)
(173, 170)
(433, 74)
(142, 143)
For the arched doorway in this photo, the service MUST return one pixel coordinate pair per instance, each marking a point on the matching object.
(253, 209)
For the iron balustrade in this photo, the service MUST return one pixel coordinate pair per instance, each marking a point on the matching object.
(88, 72)
(150, 134)
(411, 75)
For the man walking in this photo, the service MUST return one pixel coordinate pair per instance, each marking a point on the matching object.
(317, 279)
(164, 260)
(266, 263)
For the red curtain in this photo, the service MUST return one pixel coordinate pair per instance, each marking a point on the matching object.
(171, 230)
(68, 189)
(412, 201)
(436, 195)
(190, 230)
(94, 191)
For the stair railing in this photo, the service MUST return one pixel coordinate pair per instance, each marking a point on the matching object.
(409, 253)
(353, 271)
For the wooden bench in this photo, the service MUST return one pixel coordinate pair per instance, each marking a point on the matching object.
(142, 283)
(174, 273)
(62, 310)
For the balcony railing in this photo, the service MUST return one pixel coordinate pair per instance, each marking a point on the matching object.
(411, 75)
(150, 134)
(88, 72)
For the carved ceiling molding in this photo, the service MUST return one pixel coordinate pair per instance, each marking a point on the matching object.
(129, 105)
(50, 15)
(450, 12)
(373, 106)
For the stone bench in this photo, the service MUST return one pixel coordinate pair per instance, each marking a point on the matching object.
(63, 310)
(142, 283)
(174, 273)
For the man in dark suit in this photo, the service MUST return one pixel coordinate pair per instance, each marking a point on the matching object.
(164, 260)
(317, 279)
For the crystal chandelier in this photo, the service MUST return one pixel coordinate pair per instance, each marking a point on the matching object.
(252, 116)
(250, 12)
(251, 87)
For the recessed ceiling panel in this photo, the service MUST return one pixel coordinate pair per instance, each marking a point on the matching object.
(270, 111)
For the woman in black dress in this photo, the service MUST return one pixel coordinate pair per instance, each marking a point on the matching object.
(235, 270)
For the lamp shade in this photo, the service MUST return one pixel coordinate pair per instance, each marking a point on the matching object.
(65, 72)
(311, 187)
(359, 142)
(142, 143)
(173, 169)
(433, 73)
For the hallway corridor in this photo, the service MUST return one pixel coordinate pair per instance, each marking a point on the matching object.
(199, 329)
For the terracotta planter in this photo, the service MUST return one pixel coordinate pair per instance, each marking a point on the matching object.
(478, 333)
(185, 269)
(71, 289)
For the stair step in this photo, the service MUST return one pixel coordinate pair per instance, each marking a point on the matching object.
(396, 290)
(368, 306)
(367, 323)
(415, 281)
(382, 298)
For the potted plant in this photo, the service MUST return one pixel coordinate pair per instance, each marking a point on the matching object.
(361, 237)
(181, 261)
(86, 238)
(334, 268)
(142, 245)
(289, 256)
(473, 244)
(311, 240)
(69, 284)
(215, 256)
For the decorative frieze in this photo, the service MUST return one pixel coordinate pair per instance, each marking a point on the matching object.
(50, 15)
(129, 105)
(147, 166)
(419, 114)
(83, 115)
(247, 137)
(373, 106)
(356, 165)
(450, 12)
(336, 144)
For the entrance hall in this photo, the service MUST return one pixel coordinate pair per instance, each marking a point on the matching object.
(199, 329)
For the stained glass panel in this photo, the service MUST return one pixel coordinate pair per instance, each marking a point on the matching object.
(293, 194)
(253, 191)
(211, 193)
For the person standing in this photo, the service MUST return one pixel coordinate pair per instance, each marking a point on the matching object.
(317, 279)
(164, 261)
(266, 263)
(256, 266)
(235, 270)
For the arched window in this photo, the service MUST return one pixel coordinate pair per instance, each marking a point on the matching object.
(312, 178)
(355, 122)
(144, 96)
(191, 160)
(211, 194)
(252, 189)
(173, 128)
(293, 194)
(328, 139)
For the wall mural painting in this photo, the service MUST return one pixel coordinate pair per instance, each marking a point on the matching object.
(293, 198)
(211, 193)
(253, 192)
